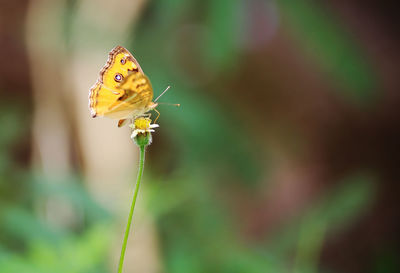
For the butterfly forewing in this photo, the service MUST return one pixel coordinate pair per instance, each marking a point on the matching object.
(120, 63)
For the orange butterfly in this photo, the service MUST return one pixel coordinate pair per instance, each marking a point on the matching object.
(122, 91)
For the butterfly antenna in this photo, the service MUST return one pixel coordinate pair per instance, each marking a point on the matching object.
(166, 89)
(172, 104)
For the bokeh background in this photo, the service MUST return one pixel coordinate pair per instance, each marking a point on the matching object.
(284, 156)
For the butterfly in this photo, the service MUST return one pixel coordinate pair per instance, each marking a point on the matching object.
(122, 91)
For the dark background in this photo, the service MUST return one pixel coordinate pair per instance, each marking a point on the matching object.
(282, 158)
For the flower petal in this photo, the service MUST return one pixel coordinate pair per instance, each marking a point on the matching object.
(134, 133)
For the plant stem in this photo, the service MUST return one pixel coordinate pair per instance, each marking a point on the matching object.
(128, 226)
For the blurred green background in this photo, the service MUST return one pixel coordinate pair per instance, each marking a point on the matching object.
(283, 156)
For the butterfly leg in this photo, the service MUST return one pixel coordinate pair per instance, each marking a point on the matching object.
(158, 115)
(148, 115)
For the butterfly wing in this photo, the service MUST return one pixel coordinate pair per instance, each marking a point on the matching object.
(136, 98)
(106, 92)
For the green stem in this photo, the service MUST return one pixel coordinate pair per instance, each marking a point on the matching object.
(128, 226)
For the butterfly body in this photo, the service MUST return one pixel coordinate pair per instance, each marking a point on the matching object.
(122, 91)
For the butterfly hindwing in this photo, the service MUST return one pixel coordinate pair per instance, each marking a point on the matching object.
(138, 90)
(137, 96)
(100, 98)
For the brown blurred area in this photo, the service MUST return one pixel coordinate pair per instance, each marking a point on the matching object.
(13, 53)
(42, 70)
(313, 135)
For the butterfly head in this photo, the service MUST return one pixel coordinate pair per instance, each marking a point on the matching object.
(152, 106)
